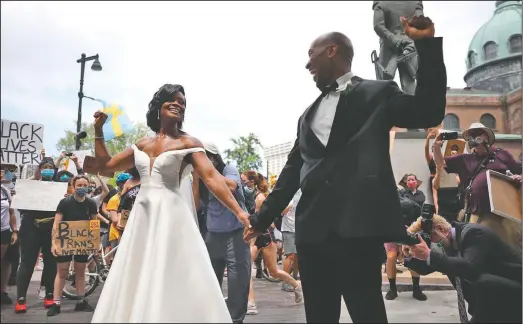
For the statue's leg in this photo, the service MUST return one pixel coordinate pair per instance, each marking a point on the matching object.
(407, 80)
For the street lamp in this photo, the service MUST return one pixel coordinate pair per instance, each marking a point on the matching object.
(95, 67)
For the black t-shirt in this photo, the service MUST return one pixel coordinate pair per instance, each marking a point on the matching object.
(73, 210)
(127, 200)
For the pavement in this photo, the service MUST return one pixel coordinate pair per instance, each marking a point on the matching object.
(274, 305)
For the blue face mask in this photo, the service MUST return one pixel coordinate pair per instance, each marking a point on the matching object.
(64, 178)
(47, 174)
(81, 192)
(8, 175)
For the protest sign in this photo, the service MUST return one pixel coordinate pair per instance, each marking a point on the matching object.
(20, 142)
(29, 170)
(38, 195)
(78, 237)
(91, 167)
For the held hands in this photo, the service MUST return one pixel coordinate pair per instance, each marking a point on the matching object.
(417, 28)
(516, 177)
(249, 233)
(99, 119)
(419, 251)
(244, 218)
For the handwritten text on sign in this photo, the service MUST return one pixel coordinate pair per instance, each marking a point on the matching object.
(20, 142)
(78, 237)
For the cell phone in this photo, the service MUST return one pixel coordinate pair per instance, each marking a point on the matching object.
(448, 136)
(68, 154)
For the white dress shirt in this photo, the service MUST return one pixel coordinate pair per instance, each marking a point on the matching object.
(322, 120)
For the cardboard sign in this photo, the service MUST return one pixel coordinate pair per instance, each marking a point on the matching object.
(38, 195)
(20, 142)
(392, 137)
(124, 216)
(78, 237)
(455, 145)
(91, 167)
(504, 196)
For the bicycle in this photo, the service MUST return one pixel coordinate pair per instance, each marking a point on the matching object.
(96, 272)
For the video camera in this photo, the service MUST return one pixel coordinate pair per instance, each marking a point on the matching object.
(427, 213)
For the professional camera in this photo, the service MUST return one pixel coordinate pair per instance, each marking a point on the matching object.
(427, 213)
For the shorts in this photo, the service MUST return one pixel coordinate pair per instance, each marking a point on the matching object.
(392, 247)
(69, 258)
(264, 240)
(5, 237)
(104, 233)
(289, 243)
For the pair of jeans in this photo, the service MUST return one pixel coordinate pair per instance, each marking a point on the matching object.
(231, 251)
(34, 238)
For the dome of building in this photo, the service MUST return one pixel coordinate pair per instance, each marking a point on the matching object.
(494, 54)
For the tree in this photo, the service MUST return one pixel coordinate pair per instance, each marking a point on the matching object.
(245, 153)
(116, 145)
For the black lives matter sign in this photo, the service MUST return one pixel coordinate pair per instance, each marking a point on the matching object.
(21, 142)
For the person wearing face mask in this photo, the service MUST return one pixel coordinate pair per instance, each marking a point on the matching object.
(35, 235)
(412, 191)
(472, 171)
(485, 270)
(416, 198)
(76, 207)
(249, 191)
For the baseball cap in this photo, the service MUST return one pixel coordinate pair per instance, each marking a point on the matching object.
(211, 148)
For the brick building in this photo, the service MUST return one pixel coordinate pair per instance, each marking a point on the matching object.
(493, 78)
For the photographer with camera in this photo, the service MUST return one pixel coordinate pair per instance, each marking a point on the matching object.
(485, 271)
(472, 171)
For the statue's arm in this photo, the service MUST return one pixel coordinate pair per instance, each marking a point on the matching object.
(419, 9)
(389, 38)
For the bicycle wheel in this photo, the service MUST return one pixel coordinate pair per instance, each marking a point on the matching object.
(266, 275)
(92, 279)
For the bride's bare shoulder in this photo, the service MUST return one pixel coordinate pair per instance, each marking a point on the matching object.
(191, 142)
(143, 142)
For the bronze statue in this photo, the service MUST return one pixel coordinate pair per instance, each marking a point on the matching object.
(397, 50)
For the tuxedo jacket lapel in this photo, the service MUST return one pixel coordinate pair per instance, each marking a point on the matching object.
(306, 131)
(345, 118)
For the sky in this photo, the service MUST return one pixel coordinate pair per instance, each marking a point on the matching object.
(242, 64)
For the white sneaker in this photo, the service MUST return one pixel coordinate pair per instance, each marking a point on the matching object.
(298, 294)
(251, 309)
(41, 292)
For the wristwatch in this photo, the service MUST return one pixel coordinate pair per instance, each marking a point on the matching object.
(14, 231)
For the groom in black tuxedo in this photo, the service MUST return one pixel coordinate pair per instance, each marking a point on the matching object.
(340, 160)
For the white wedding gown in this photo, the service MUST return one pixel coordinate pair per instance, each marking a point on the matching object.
(162, 271)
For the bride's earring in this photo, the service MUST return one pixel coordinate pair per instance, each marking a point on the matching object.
(158, 114)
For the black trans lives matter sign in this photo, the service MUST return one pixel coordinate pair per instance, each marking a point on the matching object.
(21, 142)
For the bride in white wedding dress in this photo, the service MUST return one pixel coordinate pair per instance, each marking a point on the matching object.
(162, 271)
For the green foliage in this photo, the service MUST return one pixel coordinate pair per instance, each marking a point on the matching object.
(245, 153)
(116, 145)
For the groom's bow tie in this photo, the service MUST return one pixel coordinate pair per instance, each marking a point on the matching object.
(329, 88)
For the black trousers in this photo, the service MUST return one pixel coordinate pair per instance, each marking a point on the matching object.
(496, 300)
(354, 266)
(32, 239)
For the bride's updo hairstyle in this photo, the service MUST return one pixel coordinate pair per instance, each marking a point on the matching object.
(163, 95)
